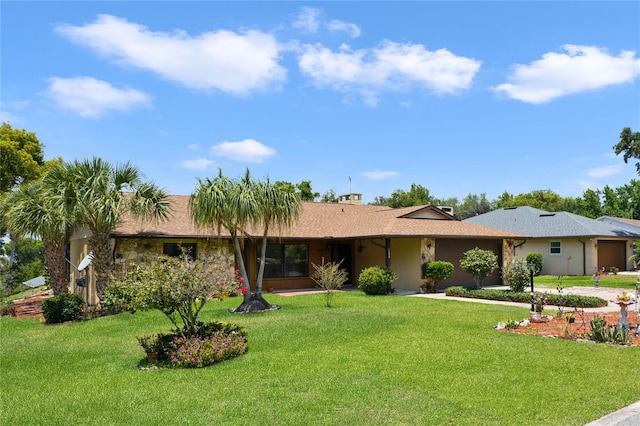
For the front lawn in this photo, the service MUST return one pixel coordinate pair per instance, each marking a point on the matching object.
(628, 281)
(368, 360)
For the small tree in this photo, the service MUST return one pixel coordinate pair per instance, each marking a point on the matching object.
(437, 271)
(329, 277)
(517, 275)
(536, 259)
(479, 263)
(178, 287)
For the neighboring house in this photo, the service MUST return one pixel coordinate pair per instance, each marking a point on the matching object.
(570, 244)
(358, 235)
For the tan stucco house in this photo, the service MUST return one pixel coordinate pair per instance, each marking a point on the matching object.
(570, 244)
(358, 235)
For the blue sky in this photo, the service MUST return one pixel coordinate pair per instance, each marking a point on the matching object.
(370, 97)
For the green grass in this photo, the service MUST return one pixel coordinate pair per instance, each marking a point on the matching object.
(384, 360)
(627, 281)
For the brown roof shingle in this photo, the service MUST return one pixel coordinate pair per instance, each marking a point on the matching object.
(325, 220)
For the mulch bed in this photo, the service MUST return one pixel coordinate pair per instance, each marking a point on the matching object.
(558, 326)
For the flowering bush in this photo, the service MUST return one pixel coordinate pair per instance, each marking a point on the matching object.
(539, 300)
(179, 287)
(195, 352)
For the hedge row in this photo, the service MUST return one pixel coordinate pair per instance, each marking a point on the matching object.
(567, 300)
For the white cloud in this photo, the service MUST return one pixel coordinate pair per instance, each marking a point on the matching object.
(89, 97)
(580, 69)
(307, 20)
(193, 147)
(10, 118)
(389, 67)
(223, 60)
(351, 29)
(248, 150)
(197, 164)
(604, 171)
(380, 174)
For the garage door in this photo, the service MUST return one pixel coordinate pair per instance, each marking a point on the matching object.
(612, 253)
(452, 251)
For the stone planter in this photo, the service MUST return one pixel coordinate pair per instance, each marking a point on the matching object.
(535, 316)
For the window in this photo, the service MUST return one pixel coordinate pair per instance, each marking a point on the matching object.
(176, 249)
(555, 247)
(285, 260)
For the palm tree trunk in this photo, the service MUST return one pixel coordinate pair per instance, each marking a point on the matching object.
(102, 261)
(56, 266)
(253, 301)
(263, 253)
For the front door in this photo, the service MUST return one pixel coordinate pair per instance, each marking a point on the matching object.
(343, 252)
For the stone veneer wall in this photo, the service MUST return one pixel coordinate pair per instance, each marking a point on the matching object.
(145, 250)
(508, 254)
(427, 250)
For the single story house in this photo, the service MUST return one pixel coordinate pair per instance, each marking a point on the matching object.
(570, 244)
(358, 235)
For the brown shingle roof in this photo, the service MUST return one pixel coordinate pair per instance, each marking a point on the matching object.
(323, 220)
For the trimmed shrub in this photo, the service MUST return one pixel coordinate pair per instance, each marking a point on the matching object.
(437, 270)
(61, 308)
(536, 259)
(376, 280)
(567, 300)
(517, 275)
(479, 263)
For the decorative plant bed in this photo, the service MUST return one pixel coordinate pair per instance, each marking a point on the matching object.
(558, 326)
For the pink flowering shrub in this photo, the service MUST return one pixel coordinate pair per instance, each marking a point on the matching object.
(196, 352)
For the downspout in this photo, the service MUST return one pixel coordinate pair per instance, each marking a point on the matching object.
(584, 256)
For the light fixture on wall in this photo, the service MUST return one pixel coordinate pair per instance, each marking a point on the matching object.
(360, 247)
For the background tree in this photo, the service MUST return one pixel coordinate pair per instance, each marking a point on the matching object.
(100, 194)
(37, 209)
(329, 197)
(472, 205)
(21, 157)
(28, 263)
(589, 205)
(611, 205)
(379, 200)
(504, 200)
(302, 189)
(629, 144)
(21, 160)
(305, 192)
(418, 195)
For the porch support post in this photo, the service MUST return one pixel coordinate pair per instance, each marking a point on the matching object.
(387, 250)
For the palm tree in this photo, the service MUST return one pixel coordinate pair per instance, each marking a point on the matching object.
(34, 209)
(236, 206)
(100, 194)
(222, 202)
(279, 208)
